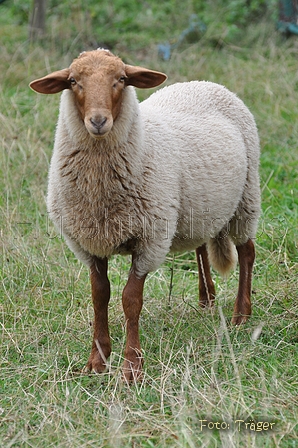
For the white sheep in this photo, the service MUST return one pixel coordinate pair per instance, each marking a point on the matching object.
(177, 172)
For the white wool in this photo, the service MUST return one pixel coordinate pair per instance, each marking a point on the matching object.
(103, 49)
(175, 172)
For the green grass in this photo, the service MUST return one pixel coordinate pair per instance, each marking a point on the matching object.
(198, 369)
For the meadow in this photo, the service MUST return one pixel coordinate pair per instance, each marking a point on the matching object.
(206, 383)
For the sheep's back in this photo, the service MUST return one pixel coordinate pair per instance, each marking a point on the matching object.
(190, 102)
(197, 131)
(198, 97)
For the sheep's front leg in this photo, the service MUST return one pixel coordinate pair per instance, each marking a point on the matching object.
(101, 347)
(206, 285)
(132, 300)
(246, 257)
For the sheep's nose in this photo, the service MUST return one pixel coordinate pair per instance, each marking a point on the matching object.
(98, 123)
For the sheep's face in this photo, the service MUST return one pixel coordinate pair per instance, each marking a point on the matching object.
(97, 80)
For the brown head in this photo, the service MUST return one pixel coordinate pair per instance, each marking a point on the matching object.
(97, 79)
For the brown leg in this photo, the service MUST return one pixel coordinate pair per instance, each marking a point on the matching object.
(206, 286)
(242, 308)
(132, 300)
(101, 347)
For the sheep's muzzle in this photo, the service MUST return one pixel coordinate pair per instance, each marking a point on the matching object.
(98, 124)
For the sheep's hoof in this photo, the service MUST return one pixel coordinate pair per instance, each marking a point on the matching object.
(95, 363)
(206, 298)
(132, 370)
(239, 319)
(94, 368)
(207, 302)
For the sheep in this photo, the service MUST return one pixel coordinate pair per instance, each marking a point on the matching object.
(176, 172)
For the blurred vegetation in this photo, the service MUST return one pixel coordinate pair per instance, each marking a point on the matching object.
(133, 22)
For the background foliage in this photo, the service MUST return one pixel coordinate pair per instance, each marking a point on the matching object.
(137, 17)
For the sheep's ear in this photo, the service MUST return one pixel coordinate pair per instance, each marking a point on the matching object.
(143, 78)
(53, 83)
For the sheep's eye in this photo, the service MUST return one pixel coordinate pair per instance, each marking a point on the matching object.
(121, 80)
(72, 81)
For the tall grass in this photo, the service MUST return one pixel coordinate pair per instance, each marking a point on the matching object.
(199, 370)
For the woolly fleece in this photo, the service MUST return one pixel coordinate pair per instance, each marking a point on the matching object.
(176, 171)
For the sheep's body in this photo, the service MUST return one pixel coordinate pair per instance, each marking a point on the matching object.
(172, 174)
(176, 172)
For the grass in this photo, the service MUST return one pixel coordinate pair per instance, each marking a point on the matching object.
(199, 370)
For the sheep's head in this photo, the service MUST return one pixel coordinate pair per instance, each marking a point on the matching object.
(97, 80)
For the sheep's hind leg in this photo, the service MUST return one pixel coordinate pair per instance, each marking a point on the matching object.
(132, 300)
(206, 285)
(246, 257)
(101, 346)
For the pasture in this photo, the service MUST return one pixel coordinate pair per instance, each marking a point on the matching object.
(206, 383)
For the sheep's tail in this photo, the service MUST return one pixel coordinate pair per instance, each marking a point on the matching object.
(222, 253)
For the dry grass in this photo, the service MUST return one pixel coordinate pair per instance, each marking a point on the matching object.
(198, 369)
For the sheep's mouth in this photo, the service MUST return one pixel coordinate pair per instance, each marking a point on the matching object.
(98, 134)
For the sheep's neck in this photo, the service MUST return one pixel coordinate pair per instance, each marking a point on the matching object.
(101, 179)
(101, 175)
(106, 173)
